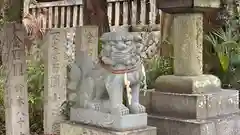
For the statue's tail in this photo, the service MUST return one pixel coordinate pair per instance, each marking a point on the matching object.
(145, 87)
(74, 76)
(144, 76)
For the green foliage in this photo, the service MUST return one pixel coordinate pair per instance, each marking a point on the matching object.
(226, 43)
(2, 111)
(156, 67)
(35, 83)
(99, 46)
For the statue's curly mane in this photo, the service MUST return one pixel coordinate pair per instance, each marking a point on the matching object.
(119, 51)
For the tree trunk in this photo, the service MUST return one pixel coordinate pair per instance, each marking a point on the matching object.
(95, 13)
(14, 62)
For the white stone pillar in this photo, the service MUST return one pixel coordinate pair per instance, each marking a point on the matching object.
(16, 94)
(187, 41)
(55, 79)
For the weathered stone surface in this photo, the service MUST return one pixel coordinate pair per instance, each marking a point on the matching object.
(195, 106)
(225, 125)
(55, 74)
(70, 128)
(107, 120)
(184, 6)
(15, 85)
(188, 84)
(187, 41)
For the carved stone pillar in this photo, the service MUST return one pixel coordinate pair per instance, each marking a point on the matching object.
(188, 37)
(16, 94)
(188, 99)
(55, 79)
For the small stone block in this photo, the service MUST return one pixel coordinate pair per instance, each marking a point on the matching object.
(70, 128)
(224, 125)
(183, 6)
(106, 120)
(188, 84)
(195, 106)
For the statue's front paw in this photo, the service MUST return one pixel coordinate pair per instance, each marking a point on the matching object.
(120, 110)
(137, 108)
(94, 106)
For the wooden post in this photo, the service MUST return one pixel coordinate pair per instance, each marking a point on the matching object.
(16, 94)
(95, 12)
(55, 80)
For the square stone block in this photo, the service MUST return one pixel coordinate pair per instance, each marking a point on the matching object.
(70, 128)
(176, 6)
(188, 84)
(195, 106)
(224, 125)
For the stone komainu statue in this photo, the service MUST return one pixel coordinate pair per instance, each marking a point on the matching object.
(100, 85)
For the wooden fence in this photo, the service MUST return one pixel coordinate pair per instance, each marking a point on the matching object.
(65, 14)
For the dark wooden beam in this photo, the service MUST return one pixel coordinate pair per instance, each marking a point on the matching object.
(187, 6)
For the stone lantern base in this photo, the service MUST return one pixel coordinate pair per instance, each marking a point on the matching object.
(212, 113)
(194, 105)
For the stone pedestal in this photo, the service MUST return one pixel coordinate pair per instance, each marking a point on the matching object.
(69, 128)
(107, 120)
(212, 113)
(195, 106)
(188, 102)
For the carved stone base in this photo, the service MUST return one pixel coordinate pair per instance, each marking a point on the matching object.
(106, 120)
(70, 128)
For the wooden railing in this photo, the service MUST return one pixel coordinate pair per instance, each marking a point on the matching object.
(122, 12)
(60, 14)
(65, 14)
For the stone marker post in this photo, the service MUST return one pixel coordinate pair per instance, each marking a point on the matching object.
(87, 39)
(55, 79)
(184, 102)
(16, 94)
